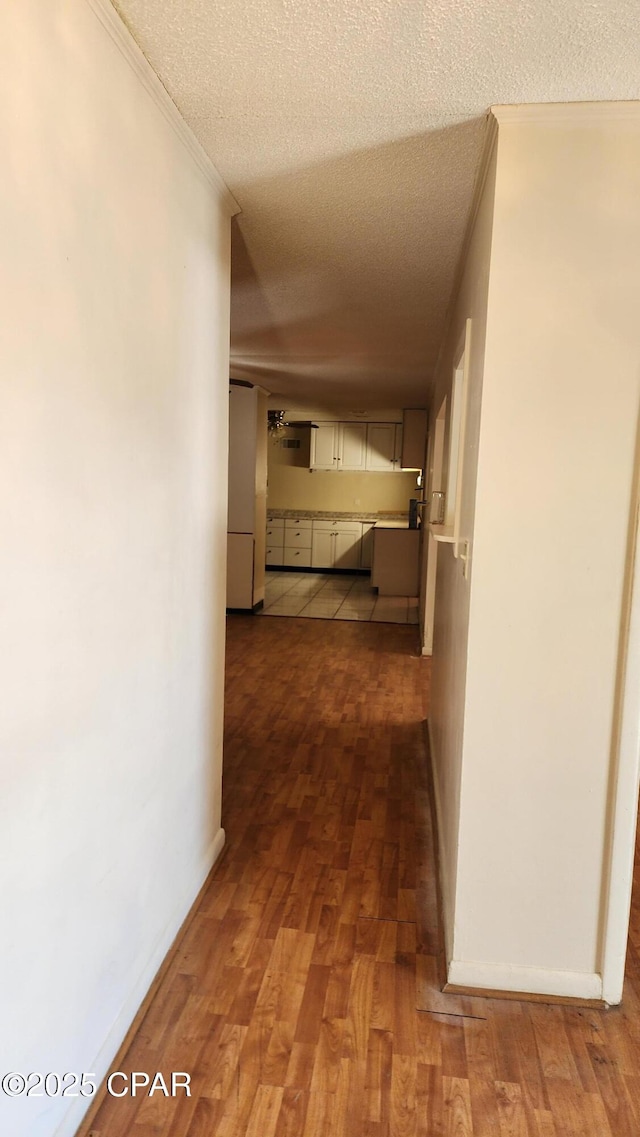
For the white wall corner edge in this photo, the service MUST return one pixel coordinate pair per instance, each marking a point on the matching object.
(128, 48)
(102, 1063)
(527, 980)
(446, 915)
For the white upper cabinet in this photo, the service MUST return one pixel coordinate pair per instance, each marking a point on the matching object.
(384, 446)
(324, 446)
(339, 446)
(352, 453)
(374, 446)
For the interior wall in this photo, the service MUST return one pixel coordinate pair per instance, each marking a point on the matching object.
(452, 591)
(558, 432)
(295, 487)
(114, 381)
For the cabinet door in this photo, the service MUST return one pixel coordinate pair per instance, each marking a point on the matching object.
(322, 548)
(381, 445)
(353, 446)
(324, 446)
(397, 447)
(347, 549)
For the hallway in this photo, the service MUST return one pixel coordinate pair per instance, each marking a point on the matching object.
(303, 996)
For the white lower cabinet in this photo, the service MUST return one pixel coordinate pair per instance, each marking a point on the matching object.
(275, 541)
(321, 544)
(336, 544)
(322, 548)
(347, 549)
(296, 557)
(297, 543)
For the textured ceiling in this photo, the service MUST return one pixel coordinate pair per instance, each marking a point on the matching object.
(350, 133)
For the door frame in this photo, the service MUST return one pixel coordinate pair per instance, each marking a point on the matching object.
(624, 777)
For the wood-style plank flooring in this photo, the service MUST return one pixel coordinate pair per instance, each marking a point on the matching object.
(303, 997)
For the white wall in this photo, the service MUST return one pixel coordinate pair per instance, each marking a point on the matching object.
(446, 719)
(114, 368)
(558, 432)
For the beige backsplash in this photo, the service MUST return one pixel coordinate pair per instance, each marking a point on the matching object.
(290, 487)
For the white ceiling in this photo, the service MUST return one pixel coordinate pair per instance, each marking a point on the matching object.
(350, 133)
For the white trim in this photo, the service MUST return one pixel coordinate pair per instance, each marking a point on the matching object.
(464, 358)
(100, 1065)
(562, 114)
(527, 980)
(625, 778)
(489, 145)
(129, 49)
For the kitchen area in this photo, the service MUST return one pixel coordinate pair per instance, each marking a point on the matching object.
(331, 510)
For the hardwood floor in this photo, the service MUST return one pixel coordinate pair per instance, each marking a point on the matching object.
(303, 997)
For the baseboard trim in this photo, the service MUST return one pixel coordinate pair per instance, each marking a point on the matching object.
(524, 997)
(119, 1039)
(503, 981)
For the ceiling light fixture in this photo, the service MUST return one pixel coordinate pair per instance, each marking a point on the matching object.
(276, 422)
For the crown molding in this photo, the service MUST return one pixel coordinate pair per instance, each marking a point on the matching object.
(490, 140)
(128, 48)
(488, 147)
(574, 114)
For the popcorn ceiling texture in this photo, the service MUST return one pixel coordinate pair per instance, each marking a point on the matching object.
(350, 133)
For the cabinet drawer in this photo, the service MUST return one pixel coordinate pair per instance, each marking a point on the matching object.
(275, 536)
(299, 523)
(337, 526)
(293, 556)
(275, 523)
(274, 555)
(298, 538)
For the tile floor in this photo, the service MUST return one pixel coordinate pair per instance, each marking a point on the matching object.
(334, 596)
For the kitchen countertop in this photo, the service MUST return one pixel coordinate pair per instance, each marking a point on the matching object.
(392, 519)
